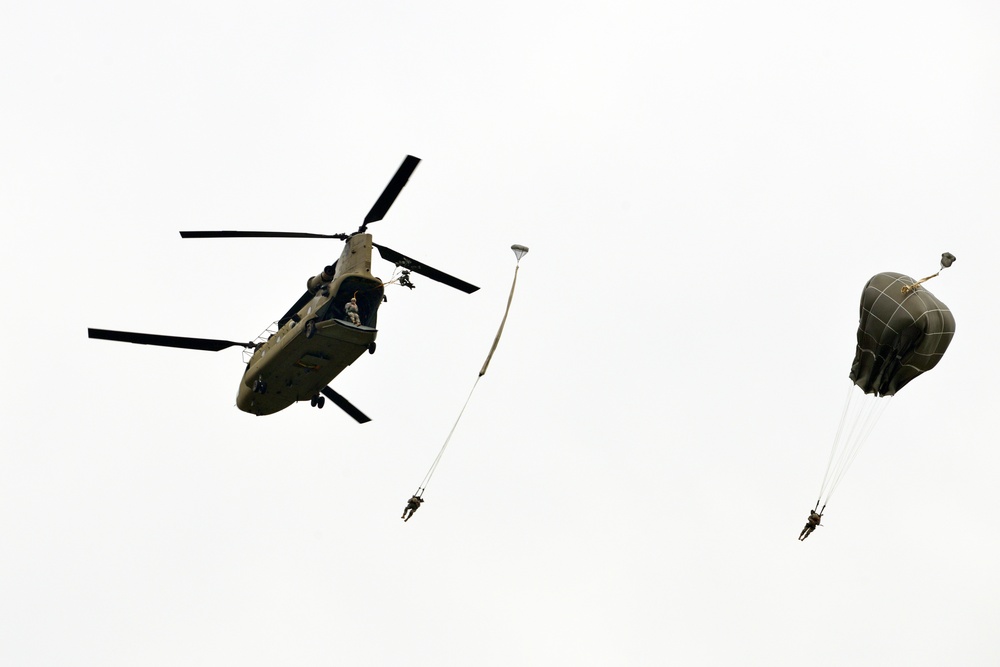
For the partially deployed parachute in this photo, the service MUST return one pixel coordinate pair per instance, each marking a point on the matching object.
(903, 332)
(418, 497)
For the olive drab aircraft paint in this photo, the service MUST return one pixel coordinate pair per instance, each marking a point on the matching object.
(325, 331)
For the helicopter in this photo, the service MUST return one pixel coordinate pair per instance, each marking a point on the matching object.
(325, 331)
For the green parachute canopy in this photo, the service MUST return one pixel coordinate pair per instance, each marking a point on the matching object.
(904, 331)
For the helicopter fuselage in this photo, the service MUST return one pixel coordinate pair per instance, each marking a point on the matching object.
(325, 330)
(319, 341)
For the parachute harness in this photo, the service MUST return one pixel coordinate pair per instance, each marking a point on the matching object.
(519, 251)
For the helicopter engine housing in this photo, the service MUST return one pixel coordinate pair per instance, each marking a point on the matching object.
(316, 282)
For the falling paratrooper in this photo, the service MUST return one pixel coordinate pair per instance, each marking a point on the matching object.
(903, 332)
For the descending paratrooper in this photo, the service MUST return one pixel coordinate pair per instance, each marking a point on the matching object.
(903, 331)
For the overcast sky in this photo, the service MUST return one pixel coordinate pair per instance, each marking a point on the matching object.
(705, 188)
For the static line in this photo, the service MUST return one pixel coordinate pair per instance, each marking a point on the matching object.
(519, 252)
(430, 472)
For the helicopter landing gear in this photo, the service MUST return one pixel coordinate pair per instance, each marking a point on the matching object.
(371, 347)
(259, 386)
(317, 401)
(310, 328)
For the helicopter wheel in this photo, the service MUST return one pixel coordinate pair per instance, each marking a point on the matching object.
(371, 348)
(312, 401)
(321, 402)
(310, 329)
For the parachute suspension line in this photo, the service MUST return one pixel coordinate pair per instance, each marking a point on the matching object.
(836, 439)
(852, 441)
(847, 445)
(874, 414)
(860, 417)
(437, 460)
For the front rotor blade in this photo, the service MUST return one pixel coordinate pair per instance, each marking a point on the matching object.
(345, 405)
(402, 260)
(226, 234)
(392, 190)
(208, 344)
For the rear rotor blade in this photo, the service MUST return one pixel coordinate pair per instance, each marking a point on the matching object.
(208, 344)
(345, 405)
(402, 260)
(226, 234)
(392, 190)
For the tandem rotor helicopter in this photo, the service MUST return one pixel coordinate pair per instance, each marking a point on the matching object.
(325, 331)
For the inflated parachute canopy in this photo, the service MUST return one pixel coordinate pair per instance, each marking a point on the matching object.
(901, 334)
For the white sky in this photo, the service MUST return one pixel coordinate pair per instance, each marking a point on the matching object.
(705, 188)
